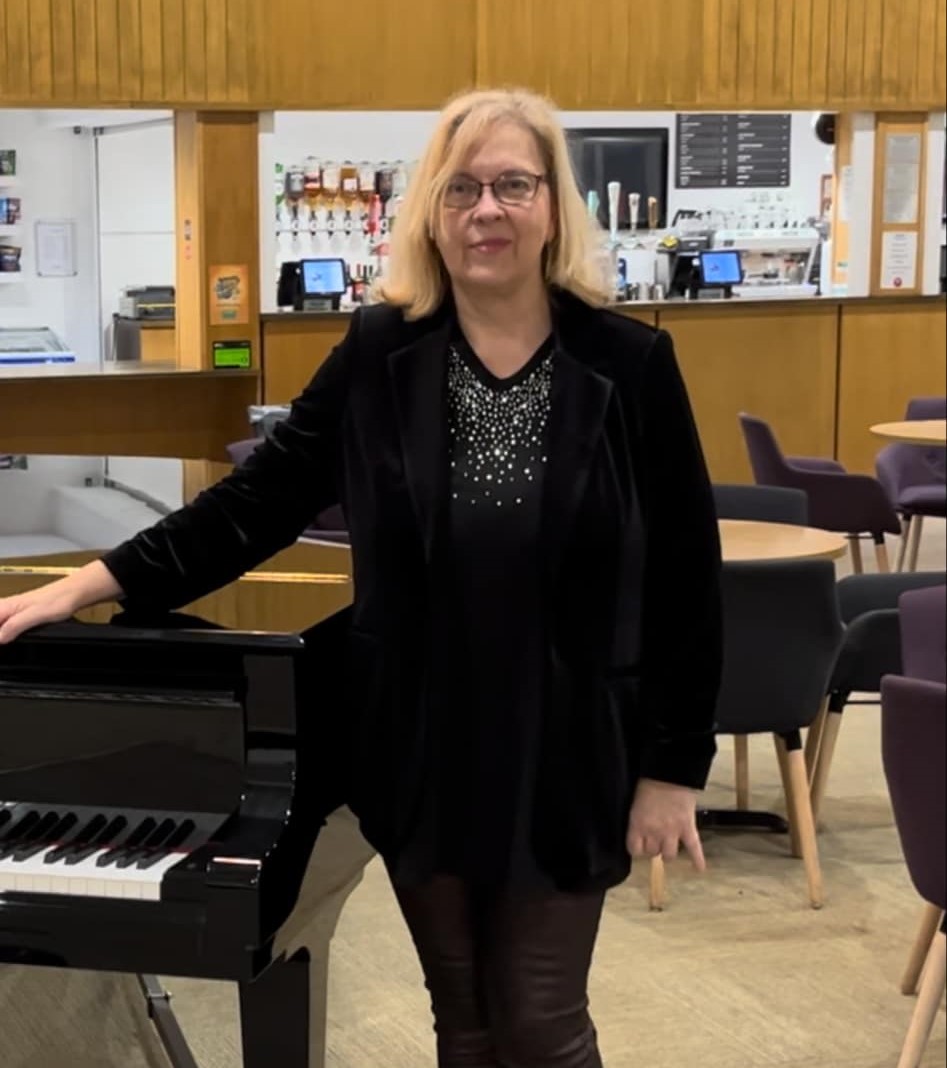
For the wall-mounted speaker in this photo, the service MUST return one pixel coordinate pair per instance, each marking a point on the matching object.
(825, 128)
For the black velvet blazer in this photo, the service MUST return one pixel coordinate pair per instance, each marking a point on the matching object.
(629, 545)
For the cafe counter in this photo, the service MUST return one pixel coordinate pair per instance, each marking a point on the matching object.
(148, 409)
(819, 370)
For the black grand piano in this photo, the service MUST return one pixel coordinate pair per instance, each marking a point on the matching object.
(159, 802)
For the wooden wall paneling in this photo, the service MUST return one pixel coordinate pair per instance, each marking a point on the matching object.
(774, 362)
(237, 29)
(836, 73)
(194, 53)
(873, 43)
(108, 66)
(818, 51)
(153, 56)
(172, 50)
(889, 352)
(130, 48)
(41, 51)
(783, 57)
(144, 414)
(926, 77)
(15, 68)
(87, 50)
(216, 46)
(293, 350)
(63, 42)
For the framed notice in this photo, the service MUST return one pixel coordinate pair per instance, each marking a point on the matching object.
(902, 178)
(56, 248)
(229, 295)
(898, 259)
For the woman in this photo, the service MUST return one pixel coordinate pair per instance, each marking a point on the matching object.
(524, 487)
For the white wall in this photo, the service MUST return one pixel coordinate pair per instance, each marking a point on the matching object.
(290, 137)
(28, 498)
(136, 211)
(54, 181)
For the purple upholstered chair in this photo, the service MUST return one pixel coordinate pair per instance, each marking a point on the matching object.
(328, 526)
(923, 624)
(913, 737)
(851, 504)
(915, 479)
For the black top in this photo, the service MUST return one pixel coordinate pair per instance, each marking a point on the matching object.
(490, 718)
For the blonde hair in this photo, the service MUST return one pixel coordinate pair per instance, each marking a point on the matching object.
(416, 279)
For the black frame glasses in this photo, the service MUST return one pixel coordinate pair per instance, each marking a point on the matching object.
(502, 187)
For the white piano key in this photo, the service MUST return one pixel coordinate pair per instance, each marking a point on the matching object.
(86, 878)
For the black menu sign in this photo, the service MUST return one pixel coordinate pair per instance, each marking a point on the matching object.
(732, 150)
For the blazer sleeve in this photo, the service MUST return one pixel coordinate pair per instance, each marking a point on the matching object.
(681, 623)
(252, 513)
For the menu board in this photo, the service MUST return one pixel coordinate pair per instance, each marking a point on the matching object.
(736, 150)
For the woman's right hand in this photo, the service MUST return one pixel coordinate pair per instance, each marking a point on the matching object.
(57, 601)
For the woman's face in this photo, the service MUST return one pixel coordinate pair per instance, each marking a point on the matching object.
(493, 240)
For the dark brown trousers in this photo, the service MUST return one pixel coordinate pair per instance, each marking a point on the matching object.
(507, 974)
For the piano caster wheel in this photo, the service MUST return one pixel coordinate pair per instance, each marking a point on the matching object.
(162, 1016)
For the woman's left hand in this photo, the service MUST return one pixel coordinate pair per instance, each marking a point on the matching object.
(663, 818)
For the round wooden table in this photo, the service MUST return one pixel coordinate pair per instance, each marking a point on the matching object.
(746, 540)
(914, 431)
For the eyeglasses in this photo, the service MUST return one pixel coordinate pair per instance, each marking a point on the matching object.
(512, 188)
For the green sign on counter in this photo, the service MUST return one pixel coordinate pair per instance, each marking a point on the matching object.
(230, 354)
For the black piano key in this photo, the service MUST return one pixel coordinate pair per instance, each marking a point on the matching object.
(20, 828)
(54, 834)
(138, 835)
(153, 841)
(36, 832)
(180, 836)
(102, 839)
(81, 838)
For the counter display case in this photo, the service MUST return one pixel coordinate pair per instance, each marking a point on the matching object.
(25, 346)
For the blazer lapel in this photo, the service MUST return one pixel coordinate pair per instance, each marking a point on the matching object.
(578, 407)
(418, 374)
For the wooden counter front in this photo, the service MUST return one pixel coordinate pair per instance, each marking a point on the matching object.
(889, 352)
(778, 363)
(820, 371)
(148, 411)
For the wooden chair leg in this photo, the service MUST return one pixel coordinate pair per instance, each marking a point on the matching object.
(783, 759)
(915, 546)
(923, 940)
(881, 556)
(856, 547)
(814, 737)
(741, 764)
(903, 546)
(928, 1004)
(657, 890)
(820, 773)
(800, 813)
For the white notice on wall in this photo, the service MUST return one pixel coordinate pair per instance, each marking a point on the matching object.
(902, 179)
(898, 259)
(55, 248)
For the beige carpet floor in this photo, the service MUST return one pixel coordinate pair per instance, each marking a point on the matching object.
(738, 972)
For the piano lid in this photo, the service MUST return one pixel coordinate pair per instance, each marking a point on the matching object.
(140, 718)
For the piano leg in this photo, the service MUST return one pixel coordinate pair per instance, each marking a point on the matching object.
(274, 1015)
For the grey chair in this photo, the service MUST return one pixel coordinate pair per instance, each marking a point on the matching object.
(851, 504)
(765, 504)
(777, 665)
(871, 649)
(913, 743)
(915, 479)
